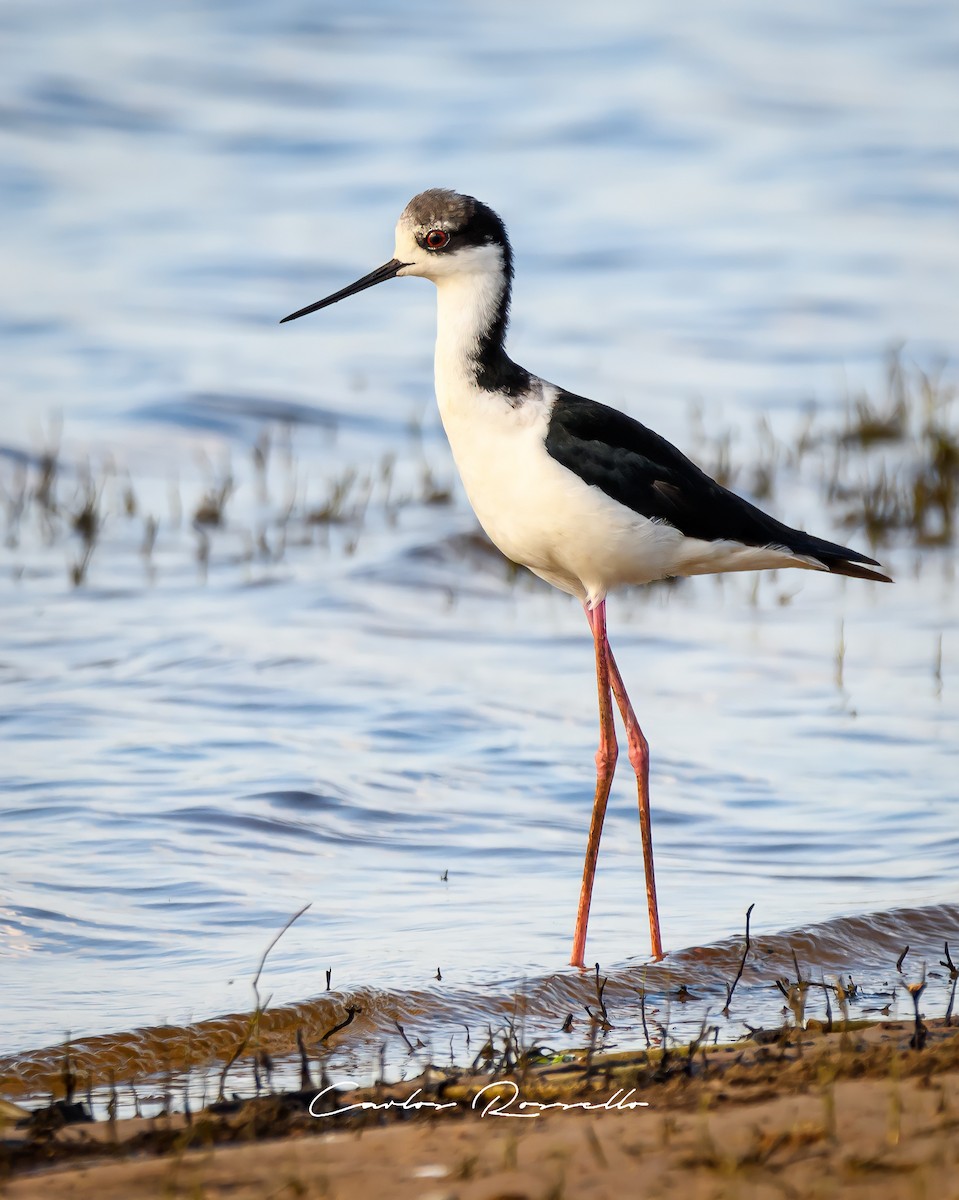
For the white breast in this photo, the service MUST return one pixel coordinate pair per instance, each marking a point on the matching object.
(539, 513)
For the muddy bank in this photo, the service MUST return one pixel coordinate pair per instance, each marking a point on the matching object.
(871, 1111)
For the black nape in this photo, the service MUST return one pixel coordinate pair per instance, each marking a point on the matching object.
(495, 371)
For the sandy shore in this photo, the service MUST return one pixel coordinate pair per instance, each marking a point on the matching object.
(861, 1112)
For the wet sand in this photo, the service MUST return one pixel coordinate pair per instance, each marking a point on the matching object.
(861, 1112)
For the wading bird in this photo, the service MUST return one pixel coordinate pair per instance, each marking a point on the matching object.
(581, 494)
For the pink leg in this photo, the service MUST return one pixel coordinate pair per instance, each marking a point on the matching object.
(639, 757)
(605, 766)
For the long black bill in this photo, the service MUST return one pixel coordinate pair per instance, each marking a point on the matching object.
(380, 275)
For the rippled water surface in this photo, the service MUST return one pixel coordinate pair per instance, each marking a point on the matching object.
(337, 696)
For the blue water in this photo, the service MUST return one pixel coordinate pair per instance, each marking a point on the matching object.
(729, 209)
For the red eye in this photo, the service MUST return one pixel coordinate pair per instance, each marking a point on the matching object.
(436, 239)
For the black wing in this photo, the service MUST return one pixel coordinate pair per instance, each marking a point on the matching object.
(644, 472)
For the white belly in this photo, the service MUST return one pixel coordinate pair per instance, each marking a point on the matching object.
(541, 514)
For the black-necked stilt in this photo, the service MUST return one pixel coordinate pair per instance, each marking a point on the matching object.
(582, 495)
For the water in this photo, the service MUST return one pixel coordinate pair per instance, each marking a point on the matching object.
(740, 208)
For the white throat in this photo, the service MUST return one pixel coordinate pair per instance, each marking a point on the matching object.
(468, 299)
(466, 307)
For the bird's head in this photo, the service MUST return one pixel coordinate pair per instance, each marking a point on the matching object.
(442, 236)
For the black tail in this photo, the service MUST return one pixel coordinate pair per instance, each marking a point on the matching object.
(856, 571)
(839, 560)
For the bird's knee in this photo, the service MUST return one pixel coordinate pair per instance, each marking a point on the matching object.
(638, 751)
(606, 757)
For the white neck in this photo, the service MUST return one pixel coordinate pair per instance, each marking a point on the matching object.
(467, 307)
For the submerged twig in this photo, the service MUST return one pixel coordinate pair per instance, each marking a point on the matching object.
(919, 1034)
(351, 1011)
(697, 1043)
(825, 990)
(410, 1046)
(954, 977)
(306, 1081)
(67, 1074)
(642, 1011)
(742, 964)
(795, 995)
(603, 1018)
(260, 1005)
(259, 971)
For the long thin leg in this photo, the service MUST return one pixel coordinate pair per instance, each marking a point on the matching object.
(639, 757)
(606, 757)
